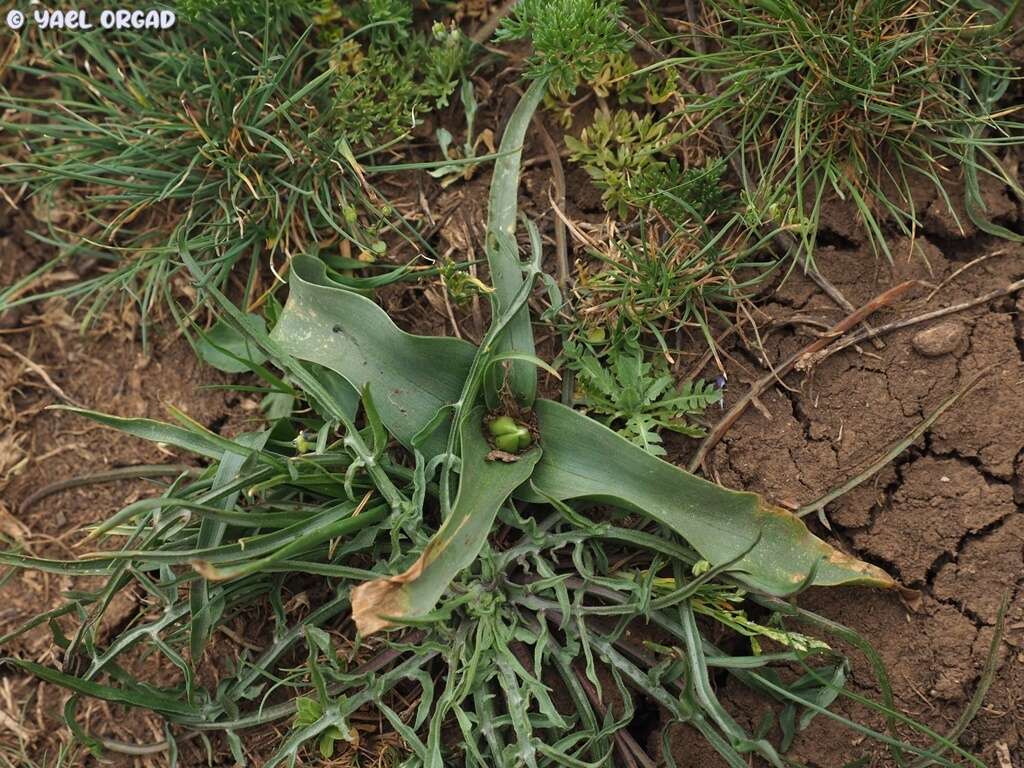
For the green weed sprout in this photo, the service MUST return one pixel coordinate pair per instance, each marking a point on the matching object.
(637, 397)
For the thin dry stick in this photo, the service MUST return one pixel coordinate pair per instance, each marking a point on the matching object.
(450, 311)
(844, 325)
(561, 241)
(558, 177)
(487, 29)
(838, 298)
(41, 373)
(818, 505)
(14, 727)
(810, 359)
(705, 358)
(639, 39)
(964, 268)
(709, 353)
(576, 232)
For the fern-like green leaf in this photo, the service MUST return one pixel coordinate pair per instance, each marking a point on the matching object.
(636, 396)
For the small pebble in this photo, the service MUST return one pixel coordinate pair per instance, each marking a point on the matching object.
(939, 340)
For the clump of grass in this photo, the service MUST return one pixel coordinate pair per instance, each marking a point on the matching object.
(684, 255)
(666, 279)
(244, 155)
(864, 100)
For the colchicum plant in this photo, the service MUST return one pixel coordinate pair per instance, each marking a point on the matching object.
(489, 545)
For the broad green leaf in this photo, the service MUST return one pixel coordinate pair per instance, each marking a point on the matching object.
(586, 460)
(411, 377)
(502, 249)
(483, 486)
(343, 395)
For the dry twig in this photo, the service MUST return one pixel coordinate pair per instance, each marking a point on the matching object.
(759, 386)
(811, 358)
(42, 374)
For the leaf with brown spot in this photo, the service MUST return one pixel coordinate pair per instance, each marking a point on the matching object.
(582, 458)
(585, 460)
(483, 487)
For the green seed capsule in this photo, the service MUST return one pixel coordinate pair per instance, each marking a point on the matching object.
(503, 425)
(509, 435)
(507, 443)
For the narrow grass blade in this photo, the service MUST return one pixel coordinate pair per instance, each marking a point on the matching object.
(211, 533)
(203, 442)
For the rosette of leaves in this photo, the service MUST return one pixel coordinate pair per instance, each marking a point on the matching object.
(233, 154)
